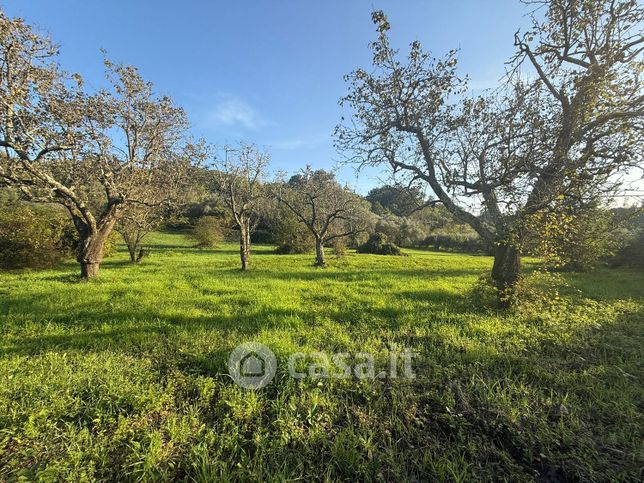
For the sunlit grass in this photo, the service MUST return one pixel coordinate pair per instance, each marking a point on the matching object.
(125, 377)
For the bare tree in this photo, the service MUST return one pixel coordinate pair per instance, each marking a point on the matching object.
(135, 223)
(94, 154)
(328, 209)
(238, 181)
(495, 160)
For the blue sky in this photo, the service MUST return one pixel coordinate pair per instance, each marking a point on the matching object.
(268, 71)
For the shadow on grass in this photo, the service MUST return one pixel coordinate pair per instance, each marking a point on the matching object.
(577, 375)
(138, 329)
(95, 325)
(347, 275)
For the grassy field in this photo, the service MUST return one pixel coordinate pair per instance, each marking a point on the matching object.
(125, 377)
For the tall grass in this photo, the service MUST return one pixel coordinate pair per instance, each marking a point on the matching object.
(125, 377)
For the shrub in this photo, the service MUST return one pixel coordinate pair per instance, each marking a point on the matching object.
(456, 242)
(339, 246)
(261, 237)
(290, 234)
(31, 238)
(208, 231)
(631, 255)
(403, 231)
(295, 246)
(575, 238)
(379, 245)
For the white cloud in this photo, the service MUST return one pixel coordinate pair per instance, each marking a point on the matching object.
(232, 111)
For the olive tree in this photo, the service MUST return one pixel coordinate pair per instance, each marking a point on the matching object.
(238, 182)
(94, 154)
(328, 209)
(569, 116)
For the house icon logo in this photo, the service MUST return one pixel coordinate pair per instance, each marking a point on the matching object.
(252, 365)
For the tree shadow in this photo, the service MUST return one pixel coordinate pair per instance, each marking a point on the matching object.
(588, 366)
(138, 327)
(115, 325)
(331, 274)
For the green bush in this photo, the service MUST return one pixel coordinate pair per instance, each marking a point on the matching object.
(403, 231)
(575, 238)
(208, 231)
(379, 245)
(339, 246)
(261, 236)
(33, 238)
(297, 245)
(456, 242)
(290, 235)
(631, 255)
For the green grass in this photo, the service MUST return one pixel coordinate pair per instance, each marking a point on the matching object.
(125, 377)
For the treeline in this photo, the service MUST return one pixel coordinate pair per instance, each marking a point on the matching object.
(388, 217)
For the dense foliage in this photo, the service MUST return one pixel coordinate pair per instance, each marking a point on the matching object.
(208, 231)
(377, 244)
(289, 234)
(32, 238)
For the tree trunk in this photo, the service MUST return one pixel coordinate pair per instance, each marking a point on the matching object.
(90, 254)
(133, 243)
(89, 269)
(319, 252)
(244, 246)
(506, 271)
(90, 249)
(131, 248)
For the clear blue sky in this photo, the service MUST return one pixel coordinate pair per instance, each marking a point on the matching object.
(268, 71)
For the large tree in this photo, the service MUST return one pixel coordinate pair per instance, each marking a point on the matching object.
(327, 209)
(239, 183)
(570, 116)
(397, 199)
(94, 154)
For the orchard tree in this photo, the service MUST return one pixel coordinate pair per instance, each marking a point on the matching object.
(328, 209)
(135, 223)
(238, 182)
(573, 121)
(94, 154)
(137, 220)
